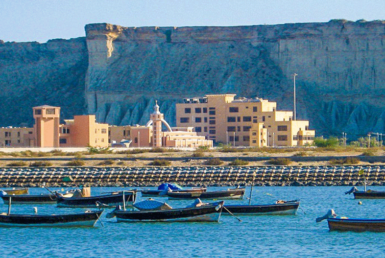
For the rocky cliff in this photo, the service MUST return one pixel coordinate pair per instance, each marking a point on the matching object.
(121, 71)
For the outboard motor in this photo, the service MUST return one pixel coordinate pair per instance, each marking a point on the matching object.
(354, 189)
(329, 214)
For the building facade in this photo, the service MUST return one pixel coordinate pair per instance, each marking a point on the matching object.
(243, 122)
(152, 134)
(82, 131)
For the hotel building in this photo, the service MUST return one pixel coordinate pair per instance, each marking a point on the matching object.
(243, 122)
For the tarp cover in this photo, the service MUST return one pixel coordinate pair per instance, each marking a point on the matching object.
(173, 187)
(152, 205)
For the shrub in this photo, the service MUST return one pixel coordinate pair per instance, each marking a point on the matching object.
(348, 161)
(213, 162)
(107, 162)
(368, 153)
(158, 150)
(40, 164)
(17, 164)
(121, 163)
(280, 161)
(203, 148)
(96, 150)
(160, 162)
(300, 154)
(76, 163)
(198, 154)
(238, 162)
(331, 142)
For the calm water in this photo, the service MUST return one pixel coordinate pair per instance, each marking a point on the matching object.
(263, 236)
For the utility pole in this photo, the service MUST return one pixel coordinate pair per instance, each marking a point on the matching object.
(369, 140)
(295, 109)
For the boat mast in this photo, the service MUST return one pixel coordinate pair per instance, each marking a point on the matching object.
(251, 189)
(124, 201)
(9, 205)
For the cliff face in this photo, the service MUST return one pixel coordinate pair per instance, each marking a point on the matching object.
(340, 67)
(34, 74)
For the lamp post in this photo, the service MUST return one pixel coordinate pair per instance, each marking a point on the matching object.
(234, 139)
(295, 111)
(369, 140)
(344, 138)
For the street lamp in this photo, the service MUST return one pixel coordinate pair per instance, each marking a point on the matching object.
(344, 138)
(369, 140)
(295, 111)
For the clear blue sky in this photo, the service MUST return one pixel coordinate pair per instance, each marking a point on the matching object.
(41, 20)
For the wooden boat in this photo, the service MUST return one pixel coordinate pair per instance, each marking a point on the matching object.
(279, 208)
(206, 213)
(348, 224)
(366, 194)
(87, 219)
(164, 188)
(110, 200)
(16, 191)
(30, 199)
(224, 194)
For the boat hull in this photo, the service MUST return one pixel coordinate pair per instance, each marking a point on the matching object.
(271, 209)
(369, 195)
(357, 225)
(88, 219)
(209, 213)
(159, 193)
(30, 199)
(222, 195)
(112, 200)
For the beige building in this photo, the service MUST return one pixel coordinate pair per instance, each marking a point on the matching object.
(152, 134)
(82, 131)
(243, 122)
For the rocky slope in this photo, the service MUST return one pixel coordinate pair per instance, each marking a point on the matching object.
(123, 70)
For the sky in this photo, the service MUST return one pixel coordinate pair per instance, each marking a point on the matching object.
(41, 20)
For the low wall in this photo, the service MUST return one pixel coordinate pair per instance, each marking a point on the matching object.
(192, 176)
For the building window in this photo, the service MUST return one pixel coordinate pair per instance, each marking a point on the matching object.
(239, 119)
(102, 139)
(254, 133)
(255, 119)
(246, 128)
(124, 132)
(238, 128)
(205, 119)
(136, 140)
(18, 141)
(104, 130)
(282, 128)
(233, 109)
(231, 138)
(212, 111)
(198, 110)
(50, 111)
(37, 111)
(7, 134)
(282, 137)
(7, 142)
(30, 132)
(231, 119)
(198, 119)
(18, 134)
(306, 127)
(198, 129)
(205, 129)
(204, 110)
(212, 121)
(184, 119)
(63, 141)
(255, 109)
(246, 138)
(211, 131)
(263, 119)
(247, 119)
(254, 141)
(187, 110)
(231, 128)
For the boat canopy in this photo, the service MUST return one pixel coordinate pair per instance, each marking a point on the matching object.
(173, 187)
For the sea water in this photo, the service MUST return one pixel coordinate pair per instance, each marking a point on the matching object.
(263, 236)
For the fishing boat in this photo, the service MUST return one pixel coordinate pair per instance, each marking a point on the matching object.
(164, 188)
(224, 194)
(366, 194)
(197, 212)
(351, 224)
(32, 198)
(278, 208)
(15, 191)
(108, 200)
